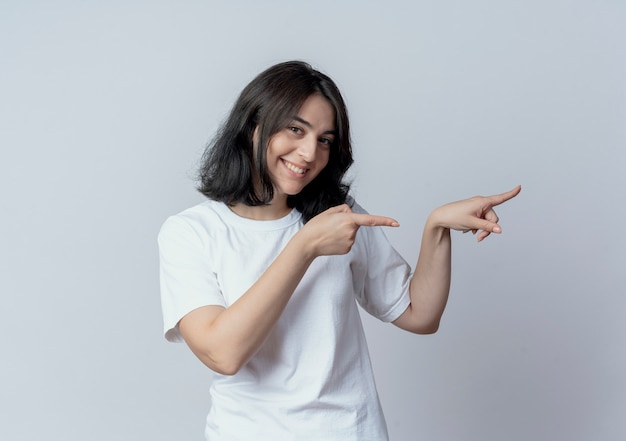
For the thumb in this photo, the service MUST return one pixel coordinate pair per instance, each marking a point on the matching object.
(488, 228)
(491, 227)
(485, 225)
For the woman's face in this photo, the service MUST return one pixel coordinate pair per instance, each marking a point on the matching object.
(300, 151)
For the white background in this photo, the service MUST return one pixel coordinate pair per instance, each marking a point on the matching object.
(105, 108)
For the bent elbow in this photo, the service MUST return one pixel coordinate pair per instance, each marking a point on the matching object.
(223, 367)
(428, 330)
(228, 370)
(425, 328)
(226, 364)
(418, 322)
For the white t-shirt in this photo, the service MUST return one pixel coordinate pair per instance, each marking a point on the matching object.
(312, 378)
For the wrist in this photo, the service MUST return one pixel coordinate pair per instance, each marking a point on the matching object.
(304, 247)
(435, 220)
(435, 226)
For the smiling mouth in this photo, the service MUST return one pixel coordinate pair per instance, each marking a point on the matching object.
(293, 168)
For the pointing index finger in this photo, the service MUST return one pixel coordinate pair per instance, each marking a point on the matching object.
(370, 220)
(503, 197)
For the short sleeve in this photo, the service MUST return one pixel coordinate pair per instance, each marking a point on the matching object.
(383, 287)
(186, 277)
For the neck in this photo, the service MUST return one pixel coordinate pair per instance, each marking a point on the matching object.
(274, 210)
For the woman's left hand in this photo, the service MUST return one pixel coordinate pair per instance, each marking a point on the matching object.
(473, 214)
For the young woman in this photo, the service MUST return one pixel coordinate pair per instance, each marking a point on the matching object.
(261, 279)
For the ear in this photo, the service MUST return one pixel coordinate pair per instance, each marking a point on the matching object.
(255, 140)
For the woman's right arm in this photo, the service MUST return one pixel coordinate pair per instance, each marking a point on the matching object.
(224, 339)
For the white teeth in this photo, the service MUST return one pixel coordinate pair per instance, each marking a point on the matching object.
(293, 168)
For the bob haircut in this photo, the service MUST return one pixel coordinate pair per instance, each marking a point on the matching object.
(228, 169)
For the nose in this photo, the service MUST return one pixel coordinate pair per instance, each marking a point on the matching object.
(307, 149)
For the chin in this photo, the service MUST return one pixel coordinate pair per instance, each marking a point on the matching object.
(290, 191)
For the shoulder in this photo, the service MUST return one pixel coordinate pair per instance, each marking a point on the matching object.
(196, 222)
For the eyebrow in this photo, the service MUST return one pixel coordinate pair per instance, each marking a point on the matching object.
(310, 126)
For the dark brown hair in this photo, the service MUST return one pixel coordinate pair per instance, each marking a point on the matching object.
(269, 102)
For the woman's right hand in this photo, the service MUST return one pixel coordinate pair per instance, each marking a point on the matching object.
(333, 231)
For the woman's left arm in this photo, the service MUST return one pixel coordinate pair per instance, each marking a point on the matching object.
(430, 283)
